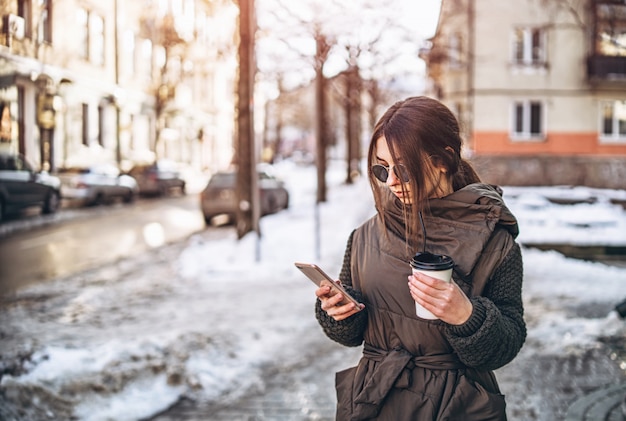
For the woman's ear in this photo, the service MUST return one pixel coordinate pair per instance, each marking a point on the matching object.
(437, 164)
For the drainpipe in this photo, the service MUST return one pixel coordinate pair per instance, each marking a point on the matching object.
(471, 48)
(118, 145)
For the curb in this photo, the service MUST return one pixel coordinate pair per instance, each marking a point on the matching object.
(604, 404)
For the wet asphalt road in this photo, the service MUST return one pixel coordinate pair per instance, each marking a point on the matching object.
(77, 239)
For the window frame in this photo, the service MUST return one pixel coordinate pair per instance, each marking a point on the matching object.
(44, 35)
(93, 36)
(25, 11)
(82, 17)
(614, 137)
(610, 28)
(528, 46)
(455, 51)
(526, 134)
(97, 39)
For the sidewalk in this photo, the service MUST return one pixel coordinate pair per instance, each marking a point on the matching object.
(605, 404)
(538, 387)
(547, 381)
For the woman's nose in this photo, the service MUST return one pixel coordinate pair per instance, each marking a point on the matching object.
(392, 178)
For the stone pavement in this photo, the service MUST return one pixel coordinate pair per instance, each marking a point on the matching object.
(605, 404)
(582, 385)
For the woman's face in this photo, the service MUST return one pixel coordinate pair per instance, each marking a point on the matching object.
(397, 180)
(395, 183)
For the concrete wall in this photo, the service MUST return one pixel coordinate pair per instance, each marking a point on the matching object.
(598, 172)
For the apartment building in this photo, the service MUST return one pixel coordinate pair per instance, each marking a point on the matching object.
(88, 81)
(541, 81)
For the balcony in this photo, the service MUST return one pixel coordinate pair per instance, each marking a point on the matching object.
(606, 68)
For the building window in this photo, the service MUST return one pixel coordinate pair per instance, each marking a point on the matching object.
(613, 121)
(85, 132)
(91, 36)
(101, 125)
(82, 19)
(611, 28)
(45, 21)
(130, 53)
(454, 56)
(527, 120)
(529, 47)
(146, 57)
(96, 34)
(24, 10)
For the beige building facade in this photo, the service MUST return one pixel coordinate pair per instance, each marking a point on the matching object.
(533, 77)
(115, 81)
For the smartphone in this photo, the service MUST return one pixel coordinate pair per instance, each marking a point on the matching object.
(320, 278)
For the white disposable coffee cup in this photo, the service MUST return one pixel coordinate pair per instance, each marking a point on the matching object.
(434, 265)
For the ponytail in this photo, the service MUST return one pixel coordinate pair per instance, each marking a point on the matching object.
(464, 176)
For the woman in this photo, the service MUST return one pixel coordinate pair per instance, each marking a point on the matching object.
(427, 198)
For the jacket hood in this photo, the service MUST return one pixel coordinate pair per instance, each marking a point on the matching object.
(486, 197)
(458, 225)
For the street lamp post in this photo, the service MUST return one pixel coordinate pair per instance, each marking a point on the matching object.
(46, 121)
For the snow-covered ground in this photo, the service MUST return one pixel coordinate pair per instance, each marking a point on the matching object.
(204, 317)
(594, 220)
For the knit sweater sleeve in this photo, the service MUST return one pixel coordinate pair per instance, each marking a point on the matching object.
(496, 331)
(348, 332)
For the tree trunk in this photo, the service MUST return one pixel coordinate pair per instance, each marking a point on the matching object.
(248, 212)
(353, 123)
(320, 101)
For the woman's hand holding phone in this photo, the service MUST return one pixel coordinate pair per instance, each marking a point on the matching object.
(336, 301)
(331, 302)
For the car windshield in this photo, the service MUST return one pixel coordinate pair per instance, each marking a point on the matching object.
(223, 179)
(74, 170)
(229, 179)
(14, 163)
(138, 169)
(103, 169)
(166, 165)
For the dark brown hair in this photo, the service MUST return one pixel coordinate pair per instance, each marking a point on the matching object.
(420, 132)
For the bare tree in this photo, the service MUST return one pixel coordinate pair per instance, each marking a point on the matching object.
(248, 211)
(362, 43)
(163, 33)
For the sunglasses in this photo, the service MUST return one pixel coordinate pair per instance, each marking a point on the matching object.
(382, 173)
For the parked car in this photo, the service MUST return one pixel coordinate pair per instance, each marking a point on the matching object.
(219, 195)
(22, 187)
(97, 184)
(158, 178)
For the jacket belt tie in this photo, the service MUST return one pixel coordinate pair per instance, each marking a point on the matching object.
(394, 370)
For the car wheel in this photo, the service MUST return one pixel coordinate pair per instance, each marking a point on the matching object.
(129, 197)
(52, 203)
(99, 200)
(163, 190)
(272, 205)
